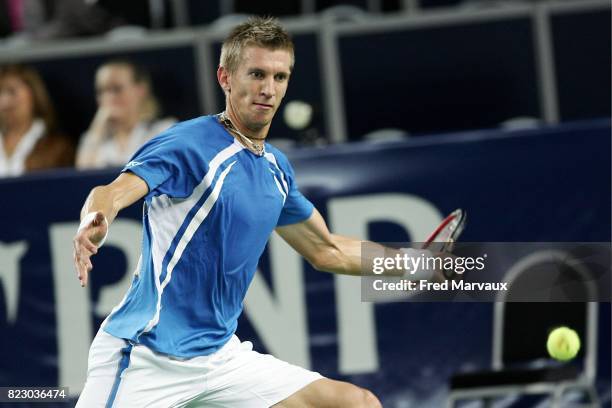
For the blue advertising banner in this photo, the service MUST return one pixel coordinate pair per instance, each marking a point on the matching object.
(545, 185)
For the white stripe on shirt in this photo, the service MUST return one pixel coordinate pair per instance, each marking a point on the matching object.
(272, 159)
(195, 222)
(167, 215)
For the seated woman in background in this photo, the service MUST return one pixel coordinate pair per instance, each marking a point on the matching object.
(28, 135)
(126, 117)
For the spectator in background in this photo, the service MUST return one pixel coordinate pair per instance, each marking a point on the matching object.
(28, 132)
(53, 19)
(127, 116)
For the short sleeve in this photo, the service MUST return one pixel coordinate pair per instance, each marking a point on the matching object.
(297, 208)
(164, 163)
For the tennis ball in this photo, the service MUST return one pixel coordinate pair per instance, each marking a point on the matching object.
(298, 114)
(563, 343)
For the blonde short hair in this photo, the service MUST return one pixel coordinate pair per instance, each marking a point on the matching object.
(264, 32)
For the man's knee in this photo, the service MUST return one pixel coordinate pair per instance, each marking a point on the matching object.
(362, 398)
(330, 393)
(371, 400)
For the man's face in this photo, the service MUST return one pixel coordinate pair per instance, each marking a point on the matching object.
(258, 86)
(117, 91)
(16, 100)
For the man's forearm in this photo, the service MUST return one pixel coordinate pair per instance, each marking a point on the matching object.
(346, 257)
(112, 198)
(101, 199)
(100, 209)
(336, 253)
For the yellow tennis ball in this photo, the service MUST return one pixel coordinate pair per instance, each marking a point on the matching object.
(563, 343)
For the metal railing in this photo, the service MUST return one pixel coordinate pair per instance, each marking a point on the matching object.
(328, 31)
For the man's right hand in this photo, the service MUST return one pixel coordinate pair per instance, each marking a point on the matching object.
(86, 242)
(125, 190)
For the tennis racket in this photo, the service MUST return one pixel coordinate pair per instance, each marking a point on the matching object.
(446, 234)
(443, 239)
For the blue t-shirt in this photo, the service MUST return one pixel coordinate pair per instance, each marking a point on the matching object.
(210, 209)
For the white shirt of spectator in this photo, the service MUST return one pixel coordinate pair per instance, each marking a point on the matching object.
(15, 165)
(110, 153)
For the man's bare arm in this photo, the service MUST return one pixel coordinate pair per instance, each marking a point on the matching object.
(326, 251)
(104, 202)
(339, 254)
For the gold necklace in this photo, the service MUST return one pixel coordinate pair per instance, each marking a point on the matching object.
(245, 140)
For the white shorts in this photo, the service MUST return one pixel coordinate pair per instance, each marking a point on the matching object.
(122, 375)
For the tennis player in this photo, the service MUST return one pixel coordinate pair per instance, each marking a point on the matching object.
(214, 191)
